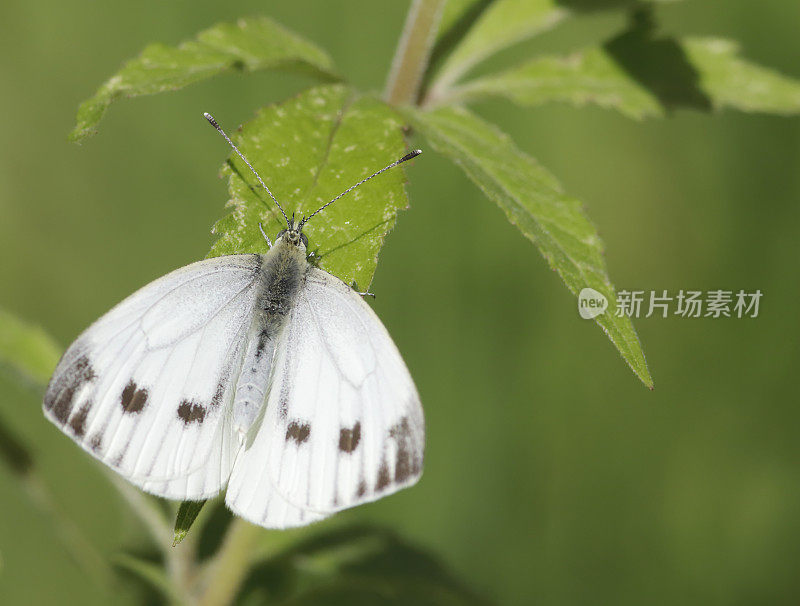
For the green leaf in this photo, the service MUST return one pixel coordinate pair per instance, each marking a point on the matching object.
(308, 150)
(151, 573)
(50, 520)
(534, 202)
(730, 81)
(355, 565)
(458, 18)
(457, 11)
(249, 45)
(643, 76)
(499, 25)
(27, 350)
(590, 76)
(13, 452)
(187, 514)
(502, 24)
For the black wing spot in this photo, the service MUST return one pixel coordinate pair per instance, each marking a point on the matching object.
(133, 399)
(78, 420)
(96, 442)
(400, 430)
(61, 393)
(63, 405)
(362, 488)
(406, 464)
(349, 438)
(383, 476)
(402, 467)
(191, 412)
(299, 432)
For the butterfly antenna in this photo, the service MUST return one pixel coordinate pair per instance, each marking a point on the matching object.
(216, 125)
(405, 158)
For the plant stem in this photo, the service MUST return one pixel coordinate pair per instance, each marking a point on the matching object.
(413, 52)
(92, 562)
(144, 506)
(181, 566)
(231, 565)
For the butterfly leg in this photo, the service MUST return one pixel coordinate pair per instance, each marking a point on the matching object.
(266, 237)
(313, 258)
(366, 293)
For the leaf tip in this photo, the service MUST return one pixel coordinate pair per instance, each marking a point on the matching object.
(178, 537)
(187, 514)
(79, 133)
(644, 377)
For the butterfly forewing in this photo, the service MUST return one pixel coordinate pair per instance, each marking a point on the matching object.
(343, 422)
(147, 388)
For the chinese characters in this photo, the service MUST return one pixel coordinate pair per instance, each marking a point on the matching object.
(688, 304)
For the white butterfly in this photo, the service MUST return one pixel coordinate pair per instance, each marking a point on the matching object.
(259, 373)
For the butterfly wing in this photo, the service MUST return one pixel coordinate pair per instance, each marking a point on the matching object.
(147, 388)
(343, 423)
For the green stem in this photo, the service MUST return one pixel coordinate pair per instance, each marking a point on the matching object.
(181, 566)
(413, 52)
(231, 564)
(146, 508)
(92, 562)
(179, 562)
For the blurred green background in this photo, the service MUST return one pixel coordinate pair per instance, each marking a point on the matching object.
(552, 475)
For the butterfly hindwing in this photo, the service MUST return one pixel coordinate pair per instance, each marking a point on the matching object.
(147, 388)
(343, 423)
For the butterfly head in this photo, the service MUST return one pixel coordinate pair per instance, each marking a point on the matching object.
(293, 234)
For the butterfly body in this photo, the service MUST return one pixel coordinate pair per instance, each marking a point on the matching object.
(281, 273)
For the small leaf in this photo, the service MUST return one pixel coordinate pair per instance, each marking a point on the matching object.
(249, 45)
(308, 150)
(13, 452)
(533, 201)
(151, 573)
(502, 24)
(458, 18)
(590, 76)
(187, 514)
(499, 25)
(642, 76)
(355, 565)
(17, 454)
(457, 11)
(730, 81)
(27, 350)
